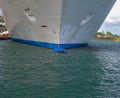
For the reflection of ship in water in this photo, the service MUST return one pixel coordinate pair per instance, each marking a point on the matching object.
(57, 24)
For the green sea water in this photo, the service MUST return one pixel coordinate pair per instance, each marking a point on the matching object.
(28, 71)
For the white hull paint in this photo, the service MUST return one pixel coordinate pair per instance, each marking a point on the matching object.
(57, 24)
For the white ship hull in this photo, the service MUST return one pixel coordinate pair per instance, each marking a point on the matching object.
(57, 24)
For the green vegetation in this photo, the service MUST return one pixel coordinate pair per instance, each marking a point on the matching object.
(1, 19)
(99, 36)
(2, 27)
(107, 36)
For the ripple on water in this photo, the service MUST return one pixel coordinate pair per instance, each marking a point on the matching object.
(34, 72)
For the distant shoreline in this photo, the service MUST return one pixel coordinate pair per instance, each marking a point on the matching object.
(108, 36)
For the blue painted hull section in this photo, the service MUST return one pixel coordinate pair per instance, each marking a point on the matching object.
(56, 24)
(55, 47)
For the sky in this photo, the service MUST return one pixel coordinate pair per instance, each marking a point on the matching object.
(112, 22)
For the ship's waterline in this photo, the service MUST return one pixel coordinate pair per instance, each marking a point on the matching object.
(55, 47)
(55, 24)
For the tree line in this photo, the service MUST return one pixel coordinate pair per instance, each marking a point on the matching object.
(107, 36)
(99, 35)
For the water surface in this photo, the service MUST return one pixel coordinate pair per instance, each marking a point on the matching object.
(34, 72)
